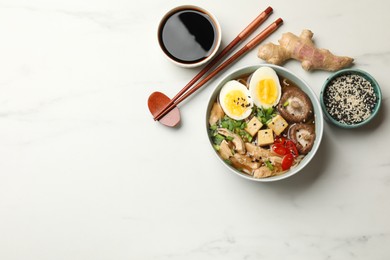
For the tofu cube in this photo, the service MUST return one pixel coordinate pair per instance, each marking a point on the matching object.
(265, 137)
(278, 124)
(253, 126)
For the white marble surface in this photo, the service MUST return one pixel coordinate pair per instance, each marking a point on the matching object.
(85, 173)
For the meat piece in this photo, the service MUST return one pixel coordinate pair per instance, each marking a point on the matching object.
(303, 136)
(263, 172)
(224, 150)
(258, 152)
(237, 141)
(295, 106)
(276, 160)
(245, 163)
(216, 114)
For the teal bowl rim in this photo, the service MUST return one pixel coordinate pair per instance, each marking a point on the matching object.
(375, 86)
(306, 88)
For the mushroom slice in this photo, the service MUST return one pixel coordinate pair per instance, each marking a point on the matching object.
(245, 163)
(295, 106)
(238, 143)
(216, 114)
(224, 150)
(303, 136)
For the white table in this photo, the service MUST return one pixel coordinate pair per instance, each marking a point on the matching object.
(85, 172)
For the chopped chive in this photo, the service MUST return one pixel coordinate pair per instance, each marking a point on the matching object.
(213, 127)
(227, 161)
(229, 138)
(269, 165)
(218, 139)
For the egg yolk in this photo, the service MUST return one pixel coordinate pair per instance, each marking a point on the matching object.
(267, 91)
(236, 102)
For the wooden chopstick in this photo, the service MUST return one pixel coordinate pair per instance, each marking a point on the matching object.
(250, 45)
(243, 35)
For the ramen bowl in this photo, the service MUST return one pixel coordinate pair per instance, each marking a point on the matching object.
(316, 111)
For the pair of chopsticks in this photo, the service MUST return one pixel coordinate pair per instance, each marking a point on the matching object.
(184, 93)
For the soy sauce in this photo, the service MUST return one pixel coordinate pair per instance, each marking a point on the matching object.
(188, 36)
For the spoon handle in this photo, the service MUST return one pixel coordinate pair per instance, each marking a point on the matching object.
(250, 45)
(243, 35)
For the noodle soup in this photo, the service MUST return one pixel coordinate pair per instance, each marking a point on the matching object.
(262, 124)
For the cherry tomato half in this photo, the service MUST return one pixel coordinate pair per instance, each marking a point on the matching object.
(280, 140)
(287, 161)
(290, 145)
(279, 149)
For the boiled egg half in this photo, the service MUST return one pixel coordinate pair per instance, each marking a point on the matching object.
(235, 100)
(264, 87)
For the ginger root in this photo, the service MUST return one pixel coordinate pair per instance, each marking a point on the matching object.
(302, 48)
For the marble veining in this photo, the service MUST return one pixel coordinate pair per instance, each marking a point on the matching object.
(86, 173)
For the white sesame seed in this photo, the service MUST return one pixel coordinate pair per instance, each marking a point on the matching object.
(350, 99)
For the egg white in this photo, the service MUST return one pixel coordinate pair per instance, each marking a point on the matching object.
(264, 73)
(232, 106)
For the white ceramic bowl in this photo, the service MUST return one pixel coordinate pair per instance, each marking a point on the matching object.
(319, 120)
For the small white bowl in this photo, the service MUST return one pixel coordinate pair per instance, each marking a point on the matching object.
(319, 120)
(211, 53)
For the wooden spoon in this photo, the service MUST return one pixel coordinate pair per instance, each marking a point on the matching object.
(159, 102)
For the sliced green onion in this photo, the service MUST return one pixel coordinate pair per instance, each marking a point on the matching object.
(213, 127)
(218, 139)
(229, 138)
(269, 165)
(228, 161)
(286, 103)
(269, 111)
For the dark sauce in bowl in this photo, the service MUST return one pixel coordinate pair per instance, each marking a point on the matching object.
(188, 36)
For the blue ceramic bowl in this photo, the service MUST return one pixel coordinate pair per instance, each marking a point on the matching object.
(350, 72)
